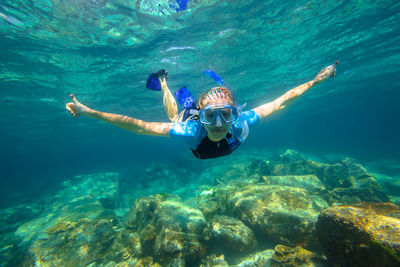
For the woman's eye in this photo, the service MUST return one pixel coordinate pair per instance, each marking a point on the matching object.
(227, 113)
(208, 115)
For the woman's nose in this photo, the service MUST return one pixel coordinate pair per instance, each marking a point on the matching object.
(218, 121)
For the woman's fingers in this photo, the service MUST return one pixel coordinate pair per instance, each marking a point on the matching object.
(74, 99)
(333, 71)
(72, 109)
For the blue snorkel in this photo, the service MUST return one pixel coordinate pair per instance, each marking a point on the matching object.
(210, 73)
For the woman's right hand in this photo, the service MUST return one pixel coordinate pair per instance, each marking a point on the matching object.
(76, 108)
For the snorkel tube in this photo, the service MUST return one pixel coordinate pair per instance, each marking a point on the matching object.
(210, 73)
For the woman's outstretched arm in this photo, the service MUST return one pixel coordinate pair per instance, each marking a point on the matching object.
(124, 122)
(269, 108)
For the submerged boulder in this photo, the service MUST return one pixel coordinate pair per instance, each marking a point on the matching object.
(229, 233)
(310, 183)
(339, 183)
(214, 200)
(214, 261)
(282, 213)
(259, 259)
(84, 196)
(169, 230)
(85, 242)
(363, 235)
(298, 256)
(342, 174)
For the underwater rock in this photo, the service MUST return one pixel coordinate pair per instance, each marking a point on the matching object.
(214, 261)
(80, 197)
(230, 233)
(362, 235)
(81, 226)
(12, 218)
(259, 259)
(291, 155)
(142, 212)
(146, 262)
(213, 201)
(308, 182)
(348, 196)
(281, 213)
(169, 229)
(347, 182)
(179, 229)
(298, 256)
(343, 174)
(83, 242)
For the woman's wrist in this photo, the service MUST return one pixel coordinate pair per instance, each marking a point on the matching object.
(91, 113)
(318, 79)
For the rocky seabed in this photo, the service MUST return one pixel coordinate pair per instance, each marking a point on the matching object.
(285, 211)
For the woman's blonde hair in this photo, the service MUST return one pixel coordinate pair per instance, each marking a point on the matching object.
(214, 95)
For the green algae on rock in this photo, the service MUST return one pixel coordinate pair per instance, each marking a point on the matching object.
(346, 181)
(229, 233)
(213, 201)
(169, 230)
(297, 256)
(282, 213)
(345, 173)
(309, 182)
(214, 261)
(362, 235)
(79, 197)
(259, 259)
(84, 242)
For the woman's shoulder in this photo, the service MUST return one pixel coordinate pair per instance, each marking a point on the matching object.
(250, 116)
(190, 128)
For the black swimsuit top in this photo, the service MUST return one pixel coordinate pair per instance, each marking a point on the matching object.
(208, 149)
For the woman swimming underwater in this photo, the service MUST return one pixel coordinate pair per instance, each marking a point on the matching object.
(213, 126)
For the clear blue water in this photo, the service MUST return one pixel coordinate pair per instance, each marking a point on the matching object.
(102, 51)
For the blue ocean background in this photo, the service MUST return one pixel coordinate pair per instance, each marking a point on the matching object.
(103, 51)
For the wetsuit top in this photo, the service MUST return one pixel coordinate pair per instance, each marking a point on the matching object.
(194, 133)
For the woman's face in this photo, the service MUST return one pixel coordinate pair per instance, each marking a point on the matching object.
(219, 128)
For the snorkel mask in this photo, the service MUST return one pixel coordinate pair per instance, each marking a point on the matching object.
(226, 113)
(218, 102)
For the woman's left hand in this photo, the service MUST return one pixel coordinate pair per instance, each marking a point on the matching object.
(327, 72)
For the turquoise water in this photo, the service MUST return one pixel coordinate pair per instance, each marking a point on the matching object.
(102, 51)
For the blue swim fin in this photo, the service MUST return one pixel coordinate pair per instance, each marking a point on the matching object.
(185, 99)
(153, 81)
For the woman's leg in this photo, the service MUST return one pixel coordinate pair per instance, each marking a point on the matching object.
(169, 102)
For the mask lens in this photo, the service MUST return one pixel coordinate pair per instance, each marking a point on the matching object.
(208, 115)
(227, 114)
